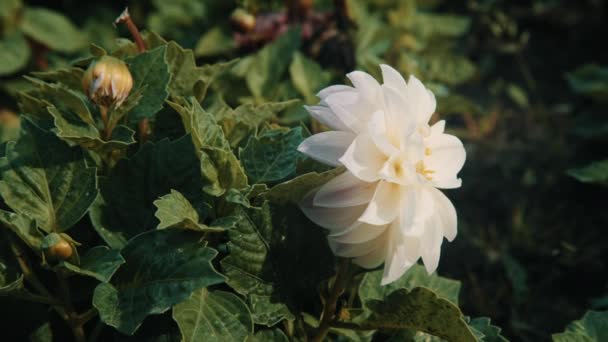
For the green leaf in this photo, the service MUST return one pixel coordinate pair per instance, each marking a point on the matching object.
(420, 310)
(448, 68)
(213, 316)
(269, 64)
(70, 77)
(491, 333)
(24, 227)
(151, 78)
(294, 190)
(214, 42)
(593, 327)
(47, 180)
(266, 335)
(268, 311)
(272, 156)
(126, 205)
(307, 76)
(52, 29)
(174, 210)
(416, 276)
(163, 267)
(220, 168)
(590, 80)
(596, 172)
(14, 53)
(518, 95)
(187, 79)
(99, 262)
(447, 25)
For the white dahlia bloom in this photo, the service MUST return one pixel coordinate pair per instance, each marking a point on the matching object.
(386, 207)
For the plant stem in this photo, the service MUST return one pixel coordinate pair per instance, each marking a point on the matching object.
(125, 18)
(329, 311)
(350, 326)
(107, 131)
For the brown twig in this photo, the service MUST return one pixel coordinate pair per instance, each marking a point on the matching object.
(125, 18)
(329, 311)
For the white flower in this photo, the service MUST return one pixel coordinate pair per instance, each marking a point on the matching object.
(385, 208)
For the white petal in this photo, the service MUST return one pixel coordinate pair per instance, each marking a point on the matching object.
(367, 85)
(352, 250)
(344, 190)
(430, 244)
(363, 158)
(327, 117)
(334, 219)
(373, 259)
(401, 254)
(327, 147)
(417, 206)
(447, 215)
(345, 106)
(401, 119)
(378, 133)
(438, 127)
(418, 96)
(333, 89)
(393, 78)
(359, 232)
(384, 206)
(447, 156)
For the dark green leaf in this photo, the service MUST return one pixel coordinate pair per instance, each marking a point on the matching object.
(491, 333)
(99, 262)
(593, 327)
(213, 316)
(47, 180)
(52, 29)
(272, 156)
(14, 53)
(24, 227)
(163, 268)
(591, 80)
(151, 78)
(596, 172)
(295, 189)
(275, 335)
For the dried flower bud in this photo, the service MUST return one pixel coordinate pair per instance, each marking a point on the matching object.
(243, 20)
(107, 81)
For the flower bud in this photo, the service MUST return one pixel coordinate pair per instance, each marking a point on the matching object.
(243, 20)
(107, 81)
(56, 247)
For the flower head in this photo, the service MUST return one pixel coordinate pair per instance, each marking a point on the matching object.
(107, 81)
(386, 207)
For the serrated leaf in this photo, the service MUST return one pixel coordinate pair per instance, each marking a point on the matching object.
(70, 77)
(593, 327)
(416, 276)
(272, 156)
(420, 310)
(126, 205)
(219, 166)
(491, 333)
(99, 262)
(307, 76)
(187, 79)
(268, 65)
(52, 29)
(268, 311)
(24, 227)
(14, 53)
(163, 268)
(596, 172)
(47, 180)
(174, 210)
(213, 316)
(150, 78)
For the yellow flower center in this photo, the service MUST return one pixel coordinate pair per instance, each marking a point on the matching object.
(421, 169)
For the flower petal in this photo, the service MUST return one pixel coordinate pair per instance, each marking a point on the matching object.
(327, 117)
(384, 206)
(447, 215)
(367, 86)
(447, 156)
(378, 133)
(359, 232)
(334, 89)
(349, 108)
(430, 244)
(353, 250)
(393, 78)
(327, 147)
(363, 159)
(419, 97)
(334, 219)
(401, 254)
(401, 119)
(417, 206)
(344, 190)
(373, 259)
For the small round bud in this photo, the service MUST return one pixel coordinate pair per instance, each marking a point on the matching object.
(61, 251)
(9, 119)
(243, 20)
(107, 81)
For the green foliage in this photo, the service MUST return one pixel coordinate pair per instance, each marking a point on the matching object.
(591, 80)
(213, 316)
(596, 172)
(151, 78)
(99, 262)
(593, 327)
(14, 53)
(162, 268)
(485, 331)
(52, 29)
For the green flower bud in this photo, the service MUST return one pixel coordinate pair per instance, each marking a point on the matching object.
(107, 81)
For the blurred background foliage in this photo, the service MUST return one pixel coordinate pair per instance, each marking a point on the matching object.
(523, 83)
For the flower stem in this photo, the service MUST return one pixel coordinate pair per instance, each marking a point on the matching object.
(125, 18)
(329, 311)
